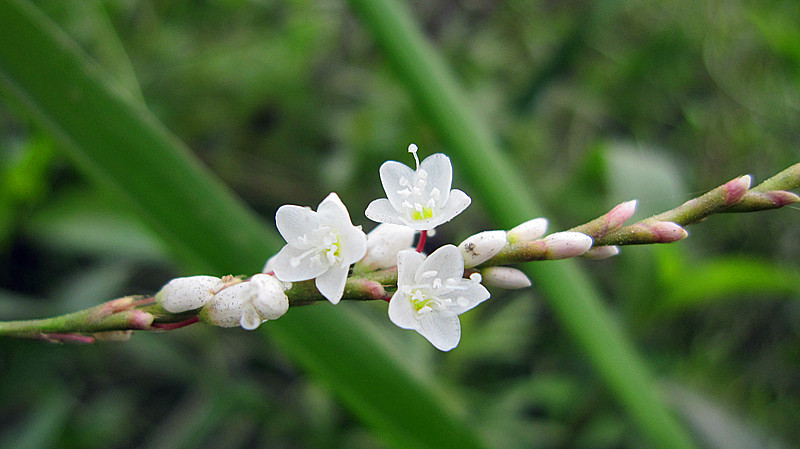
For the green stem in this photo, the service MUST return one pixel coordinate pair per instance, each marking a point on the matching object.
(115, 315)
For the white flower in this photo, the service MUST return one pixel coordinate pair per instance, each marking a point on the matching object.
(482, 246)
(431, 293)
(383, 244)
(419, 199)
(321, 245)
(188, 293)
(247, 304)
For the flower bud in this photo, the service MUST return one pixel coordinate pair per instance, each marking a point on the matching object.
(270, 301)
(528, 231)
(383, 244)
(619, 214)
(563, 245)
(737, 188)
(601, 252)
(668, 232)
(505, 277)
(481, 247)
(188, 293)
(247, 304)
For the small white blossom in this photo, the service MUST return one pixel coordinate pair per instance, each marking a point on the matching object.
(481, 247)
(505, 277)
(528, 231)
(188, 293)
(247, 304)
(383, 244)
(420, 199)
(320, 245)
(431, 293)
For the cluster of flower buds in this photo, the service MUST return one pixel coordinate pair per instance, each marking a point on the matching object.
(229, 301)
(323, 245)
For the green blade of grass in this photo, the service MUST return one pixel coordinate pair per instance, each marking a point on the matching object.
(506, 197)
(122, 146)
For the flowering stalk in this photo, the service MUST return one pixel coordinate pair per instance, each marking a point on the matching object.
(116, 319)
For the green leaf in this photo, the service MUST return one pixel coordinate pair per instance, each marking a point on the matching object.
(725, 279)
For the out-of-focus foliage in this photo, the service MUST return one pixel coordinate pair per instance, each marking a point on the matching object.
(598, 102)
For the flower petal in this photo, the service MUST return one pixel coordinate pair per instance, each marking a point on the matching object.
(439, 174)
(456, 204)
(443, 330)
(352, 245)
(402, 312)
(331, 283)
(333, 212)
(392, 172)
(468, 295)
(250, 319)
(287, 272)
(408, 263)
(382, 211)
(294, 222)
(447, 261)
(270, 302)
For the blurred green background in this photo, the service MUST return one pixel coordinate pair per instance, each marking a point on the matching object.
(593, 102)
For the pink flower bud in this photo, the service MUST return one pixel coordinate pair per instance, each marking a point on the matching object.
(735, 189)
(782, 197)
(505, 277)
(620, 213)
(668, 232)
(563, 245)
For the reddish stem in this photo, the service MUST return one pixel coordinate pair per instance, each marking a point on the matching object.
(423, 236)
(178, 325)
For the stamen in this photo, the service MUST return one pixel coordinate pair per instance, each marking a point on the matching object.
(295, 261)
(413, 150)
